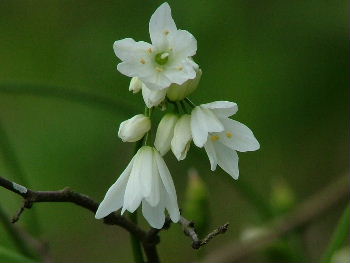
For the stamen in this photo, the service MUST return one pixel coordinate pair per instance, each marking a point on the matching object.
(142, 61)
(166, 32)
(214, 138)
(180, 68)
(150, 50)
(159, 69)
(229, 134)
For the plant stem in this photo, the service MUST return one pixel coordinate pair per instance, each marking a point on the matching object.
(340, 234)
(135, 243)
(190, 102)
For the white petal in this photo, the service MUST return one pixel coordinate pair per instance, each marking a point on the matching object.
(129, 50)
(165, 132)
(154, 197)
(170, 192)
(153, 97)
(133, 191)
(210, 150)
(183, 43)
(203, 121)
(227, 159)
(145, 170)
(222, 108)
(132, 69)
(154, 215)
(180, 143)
(113, 199)
(161, 26)
(238, 136)
(156, 80)
(181, 71)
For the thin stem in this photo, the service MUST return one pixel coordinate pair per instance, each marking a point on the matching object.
(339, 236)
(183, 106)
(190, 102)
(135, 243)
(11, 159)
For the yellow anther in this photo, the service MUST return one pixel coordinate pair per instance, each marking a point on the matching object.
(142, 61)
(180, 68)
(166, 32)
(149, 50)
(229, 134)
(215, 138)
(159, 69)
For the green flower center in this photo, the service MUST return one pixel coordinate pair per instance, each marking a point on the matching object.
(162, 58)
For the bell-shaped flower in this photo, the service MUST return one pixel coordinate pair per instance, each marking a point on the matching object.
(147, 181)
(167, 60)
(165, 132)
(182, 138)
(135, 128)
(178, 92)
(207, 118)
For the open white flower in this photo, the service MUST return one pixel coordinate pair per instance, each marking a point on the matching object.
(145, 180)
(134, 128)
(221, 136)
(208, 118)
(167, 60)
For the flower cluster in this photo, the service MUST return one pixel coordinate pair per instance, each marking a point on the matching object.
(166, 74)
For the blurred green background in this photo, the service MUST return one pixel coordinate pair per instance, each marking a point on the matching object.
(284, 62)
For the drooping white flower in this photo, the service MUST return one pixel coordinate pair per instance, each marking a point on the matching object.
(152, 98)
(221, 136)
(178, 92)
(167, 60)
(145, 180)
(134, 128)
(165, 132)
(182, 138)
(207, 118)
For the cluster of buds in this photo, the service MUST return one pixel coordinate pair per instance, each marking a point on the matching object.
(166, 74)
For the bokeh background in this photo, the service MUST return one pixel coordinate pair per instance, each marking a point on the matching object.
(284, 62)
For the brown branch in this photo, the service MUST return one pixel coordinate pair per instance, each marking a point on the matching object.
(69, 196)
(189, 230)
(302, 215)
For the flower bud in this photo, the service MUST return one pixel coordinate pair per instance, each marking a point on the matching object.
(178, 92)
(152, 98)
(135, 128)
(135, 85)
(165, 132)
(182, 138)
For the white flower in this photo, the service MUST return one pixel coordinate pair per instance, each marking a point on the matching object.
(167, 60)
(145, 180)
(165, 132)
(207, 118)
(134, 128)
(221, 136)
(178, 92)
(182, 138)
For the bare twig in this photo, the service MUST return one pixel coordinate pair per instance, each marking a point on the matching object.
(189, 230)
(303, 214)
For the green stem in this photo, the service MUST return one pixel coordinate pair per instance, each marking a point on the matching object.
(13, 163)
(190, 102)
(135, 243)
(340, 234)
